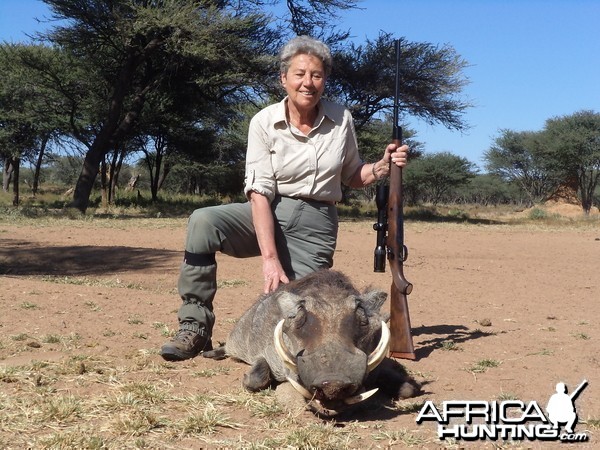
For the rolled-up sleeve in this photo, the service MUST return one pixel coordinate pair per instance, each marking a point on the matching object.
(352, 160)
(259, 176)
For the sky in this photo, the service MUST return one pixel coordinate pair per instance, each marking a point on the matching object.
(529, 60)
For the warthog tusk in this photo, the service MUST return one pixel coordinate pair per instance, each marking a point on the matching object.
(283, 352)
(381, 351)
(301, 389)
(348, 401)
(360, 397)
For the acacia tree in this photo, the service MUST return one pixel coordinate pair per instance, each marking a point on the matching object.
(126, 50)
(164, 144)
(518, 156)
(27, 110)
(431, 81)
(573, 151)
(488, 189)
(432, 177)
(179, 121)
(565, 155)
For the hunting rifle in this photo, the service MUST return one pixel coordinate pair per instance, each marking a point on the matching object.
(390, 243)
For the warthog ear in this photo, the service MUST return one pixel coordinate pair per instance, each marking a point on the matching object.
(289, 304)
(373, 300)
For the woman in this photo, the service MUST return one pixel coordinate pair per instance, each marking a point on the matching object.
(300, 152)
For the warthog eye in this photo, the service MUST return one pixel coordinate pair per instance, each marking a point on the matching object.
(300, 319)
(361, 316)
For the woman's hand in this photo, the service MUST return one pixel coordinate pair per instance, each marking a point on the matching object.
(274, 274)
(396, 155)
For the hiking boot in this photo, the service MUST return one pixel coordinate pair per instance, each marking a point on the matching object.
(190, 341)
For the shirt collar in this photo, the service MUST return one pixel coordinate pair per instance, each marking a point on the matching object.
(325, 108)
(328, 109)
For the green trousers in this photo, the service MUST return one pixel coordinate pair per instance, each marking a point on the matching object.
(305, 234)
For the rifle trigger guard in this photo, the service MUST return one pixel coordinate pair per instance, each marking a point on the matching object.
(404, 253)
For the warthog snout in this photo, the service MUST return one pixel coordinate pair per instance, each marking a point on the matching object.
(332, 371)
(332, 389)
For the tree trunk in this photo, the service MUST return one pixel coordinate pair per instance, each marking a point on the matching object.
(100, 148)
(16, 162)
(115, 171)
(155, 177)
(103, 183)
(589, 182)
(38, 166)
(7, 174)
(163, 175)
(89, 171)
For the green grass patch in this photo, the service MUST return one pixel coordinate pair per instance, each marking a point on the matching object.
(29, 305)
(450, 346)
(483, 365)
(86, 281)
(581, 336)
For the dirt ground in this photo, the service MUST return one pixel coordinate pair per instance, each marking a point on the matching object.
(523, 296)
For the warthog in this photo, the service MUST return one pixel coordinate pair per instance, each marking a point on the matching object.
(323, 336)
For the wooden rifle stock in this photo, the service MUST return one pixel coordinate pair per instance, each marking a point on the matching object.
(401, 343)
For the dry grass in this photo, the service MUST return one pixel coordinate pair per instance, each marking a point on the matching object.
(540, 216)
(92, 403)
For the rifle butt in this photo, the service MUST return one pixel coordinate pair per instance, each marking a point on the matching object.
(401, 342)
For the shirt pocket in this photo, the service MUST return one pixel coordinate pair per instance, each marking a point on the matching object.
(291, 161)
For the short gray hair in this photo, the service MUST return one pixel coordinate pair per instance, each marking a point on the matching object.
(305, 45)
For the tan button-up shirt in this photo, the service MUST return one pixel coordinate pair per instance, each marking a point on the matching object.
(282, 160)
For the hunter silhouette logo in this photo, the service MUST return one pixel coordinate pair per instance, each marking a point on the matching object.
(561, 406)
(510, 419)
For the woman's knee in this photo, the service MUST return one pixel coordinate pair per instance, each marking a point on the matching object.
(203, 235)
(203, 219)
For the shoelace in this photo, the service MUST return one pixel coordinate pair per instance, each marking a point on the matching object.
(185, 335)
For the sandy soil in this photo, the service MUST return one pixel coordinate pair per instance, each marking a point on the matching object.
(524, 296)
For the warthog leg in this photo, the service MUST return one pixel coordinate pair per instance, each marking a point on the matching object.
(258, 377)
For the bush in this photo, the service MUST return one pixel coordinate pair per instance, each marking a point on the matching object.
(538, 214)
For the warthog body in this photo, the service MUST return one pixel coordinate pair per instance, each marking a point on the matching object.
(323, 336)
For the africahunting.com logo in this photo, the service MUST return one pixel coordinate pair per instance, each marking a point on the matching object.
(509, 419)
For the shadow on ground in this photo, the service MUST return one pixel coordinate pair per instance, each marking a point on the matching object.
(455, 334)
(27, 258)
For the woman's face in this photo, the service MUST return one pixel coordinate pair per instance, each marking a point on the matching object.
(304, 81)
